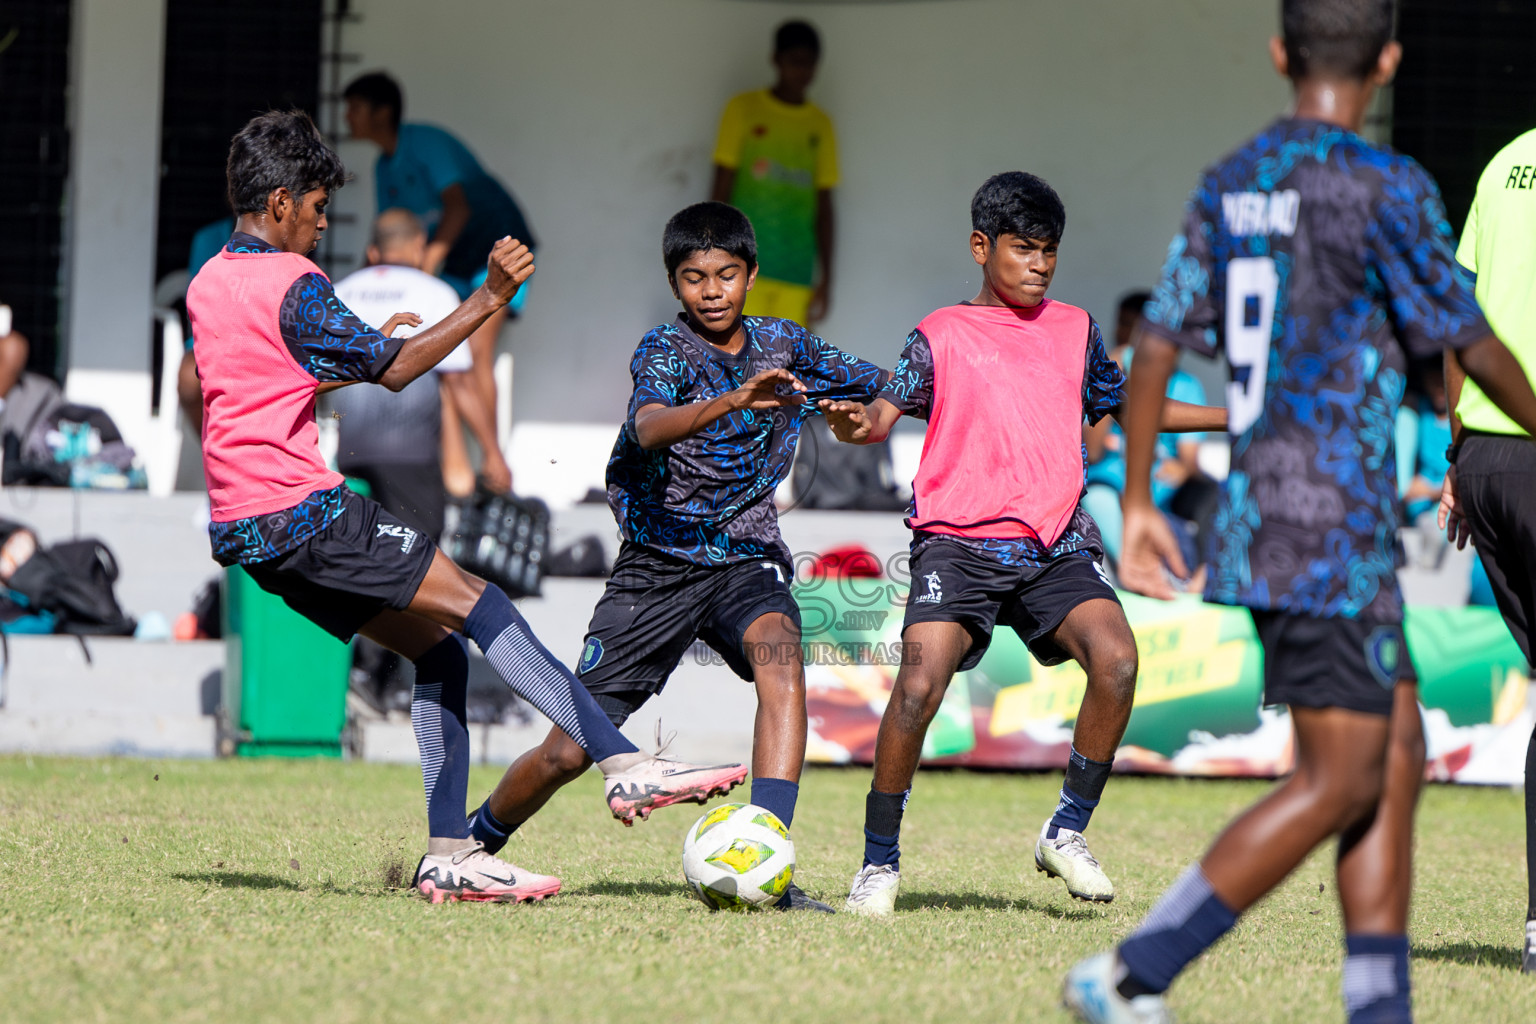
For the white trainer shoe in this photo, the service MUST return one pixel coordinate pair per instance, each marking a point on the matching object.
(1067, 857)
(873, 892)
(1089, 992)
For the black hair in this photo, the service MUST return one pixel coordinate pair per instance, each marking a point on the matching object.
(377, 89)
(796, 35)
(1018, 203)
(705, 226)
(1134, 301)
(279, 149)
(1342, 37)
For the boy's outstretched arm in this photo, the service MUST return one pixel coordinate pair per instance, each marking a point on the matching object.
(857, 423)
(1185, 418)
(510, 264)
(1148, 545)
(661, 426)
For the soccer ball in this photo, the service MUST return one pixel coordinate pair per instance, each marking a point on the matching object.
(738, 856)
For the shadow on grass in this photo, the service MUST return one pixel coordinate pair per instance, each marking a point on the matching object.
(1472, 954)
(239, 880)
(929, 900)
(615, 887)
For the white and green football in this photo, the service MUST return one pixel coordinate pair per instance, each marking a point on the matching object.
(738, 856)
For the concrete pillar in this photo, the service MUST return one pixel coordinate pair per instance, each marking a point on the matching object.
(116, 59)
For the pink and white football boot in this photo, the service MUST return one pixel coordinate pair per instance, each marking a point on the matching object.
(656, 782)
(473, 874)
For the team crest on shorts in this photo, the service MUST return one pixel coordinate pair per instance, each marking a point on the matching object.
(591, 654)
(935, 590)
(1384, 654)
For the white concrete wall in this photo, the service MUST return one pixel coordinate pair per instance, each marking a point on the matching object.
(115, 70)
(601, 115)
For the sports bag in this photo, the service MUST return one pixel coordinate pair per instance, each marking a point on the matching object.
(501, 538)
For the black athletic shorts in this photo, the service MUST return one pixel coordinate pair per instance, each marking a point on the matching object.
(410, 491)
(1496, 485)
(364, 562)
(1312, 662)
(955, 583)
(655, 606)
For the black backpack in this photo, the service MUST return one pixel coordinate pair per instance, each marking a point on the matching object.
(74, 581)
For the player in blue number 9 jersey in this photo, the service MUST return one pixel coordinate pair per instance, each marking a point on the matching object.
(1320, 262)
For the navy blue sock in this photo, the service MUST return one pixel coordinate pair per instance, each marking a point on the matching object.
(882, 827)
(437, 717)
(1376, 979)
(489, 829)
(1080, 793)
(778, 796)
(534, 674)
(1185, 923)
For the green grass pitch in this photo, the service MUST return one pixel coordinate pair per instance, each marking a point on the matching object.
(269, 891)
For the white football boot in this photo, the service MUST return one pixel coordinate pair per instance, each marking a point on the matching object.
(1067, 857)
(873, 892)
(1089, 992)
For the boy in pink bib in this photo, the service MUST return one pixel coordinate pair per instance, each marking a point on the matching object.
(268, 334)
(1005, 382)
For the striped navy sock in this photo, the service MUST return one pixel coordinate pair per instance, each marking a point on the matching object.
(534, 674)
(1376, 979)
(1185, 923)
(437, 717)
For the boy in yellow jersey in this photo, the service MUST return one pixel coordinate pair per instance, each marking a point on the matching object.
(1493, 461)
(776, 161)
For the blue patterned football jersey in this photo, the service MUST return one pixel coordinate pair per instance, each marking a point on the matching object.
(709, 498)
(1320, 262)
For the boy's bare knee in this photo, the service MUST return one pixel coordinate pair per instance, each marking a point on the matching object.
(916, 699)
(1345, 799)
(779, 684)
(563, 759)
(1114, 672)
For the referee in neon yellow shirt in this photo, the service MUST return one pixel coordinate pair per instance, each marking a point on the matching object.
(1491, 490)
(776, 161)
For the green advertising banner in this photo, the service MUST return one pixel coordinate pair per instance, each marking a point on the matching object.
(1198, 694)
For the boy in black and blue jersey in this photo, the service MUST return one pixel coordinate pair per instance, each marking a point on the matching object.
(1319, 261)
(712, 427)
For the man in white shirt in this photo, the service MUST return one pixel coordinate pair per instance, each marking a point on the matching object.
(394, 442)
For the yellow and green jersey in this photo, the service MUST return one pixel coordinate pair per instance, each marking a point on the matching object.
(1499, 245)
(782, 155)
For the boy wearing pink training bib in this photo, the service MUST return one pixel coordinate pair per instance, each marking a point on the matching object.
(1005, 382)
(268, 334)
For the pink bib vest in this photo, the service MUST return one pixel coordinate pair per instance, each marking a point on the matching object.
(261, 448)
(1003, 455)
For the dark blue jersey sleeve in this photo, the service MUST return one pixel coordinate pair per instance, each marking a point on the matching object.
(817, 363)
(1103, 380)
(1184, 308)
(1412, 254)
(327, 339)
(661, 374)
(911, 385)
